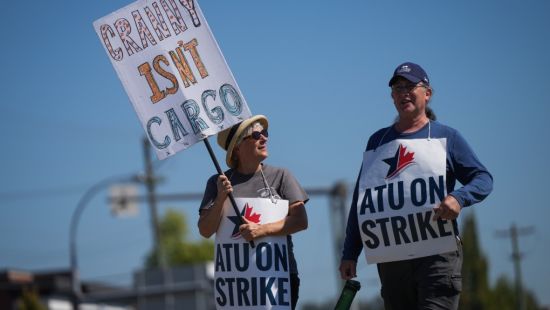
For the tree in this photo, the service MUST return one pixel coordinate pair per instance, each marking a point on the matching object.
(504, 297)
(29, 300)
(475, 287)
(177, 248)
(476, 292)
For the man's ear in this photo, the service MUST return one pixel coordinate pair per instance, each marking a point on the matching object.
(429, 92)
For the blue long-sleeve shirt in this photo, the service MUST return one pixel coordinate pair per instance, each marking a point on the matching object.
(462, 165)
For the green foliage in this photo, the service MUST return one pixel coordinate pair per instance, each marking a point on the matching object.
(475, 287)
(177, 248)
(476, 292)
(30, 300)
(504, 297)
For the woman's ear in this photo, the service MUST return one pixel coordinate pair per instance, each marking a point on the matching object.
(234, 155)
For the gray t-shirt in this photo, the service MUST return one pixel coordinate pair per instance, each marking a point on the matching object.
(283, 186)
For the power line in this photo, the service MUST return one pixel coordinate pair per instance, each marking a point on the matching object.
(45, 192)
(40, 193)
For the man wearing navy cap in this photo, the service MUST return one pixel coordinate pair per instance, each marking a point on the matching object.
(405, 203)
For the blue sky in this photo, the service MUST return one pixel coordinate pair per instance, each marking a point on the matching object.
(319, 71)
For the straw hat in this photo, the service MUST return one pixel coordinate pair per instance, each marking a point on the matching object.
(228, 138)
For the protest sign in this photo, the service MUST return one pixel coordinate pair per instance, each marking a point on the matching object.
(400, 183)
(173, 71)
(251, 277)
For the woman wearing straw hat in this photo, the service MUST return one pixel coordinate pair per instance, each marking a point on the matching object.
(246, 147)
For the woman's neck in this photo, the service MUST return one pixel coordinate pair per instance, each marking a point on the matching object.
(248, 168)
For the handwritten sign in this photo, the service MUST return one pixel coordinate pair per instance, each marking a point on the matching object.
(173, 71)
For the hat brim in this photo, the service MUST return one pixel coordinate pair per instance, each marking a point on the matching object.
(409, 77)
(242, 126)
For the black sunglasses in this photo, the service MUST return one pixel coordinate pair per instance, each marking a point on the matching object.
(256, 135)
(407, 88)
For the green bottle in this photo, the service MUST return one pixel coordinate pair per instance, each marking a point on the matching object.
(348, 293)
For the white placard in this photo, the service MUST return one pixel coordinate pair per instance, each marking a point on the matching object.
(246, 277)
(401, 182)
(173, 71)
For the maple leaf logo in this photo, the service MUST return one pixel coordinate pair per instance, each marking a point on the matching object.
(249, 214)
(253, 217)
(401, 160)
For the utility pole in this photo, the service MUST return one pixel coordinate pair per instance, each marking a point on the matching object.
(150, 183)
(513, 233)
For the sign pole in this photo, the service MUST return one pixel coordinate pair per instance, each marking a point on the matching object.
(219, 169)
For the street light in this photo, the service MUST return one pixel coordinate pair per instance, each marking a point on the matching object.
(82, 203)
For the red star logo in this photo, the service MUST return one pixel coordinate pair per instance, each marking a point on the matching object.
(249, 214)
(399, 162)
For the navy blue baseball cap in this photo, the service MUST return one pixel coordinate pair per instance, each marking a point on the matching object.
(411, 72)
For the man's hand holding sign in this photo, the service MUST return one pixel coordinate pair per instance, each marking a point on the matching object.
(448, 209)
